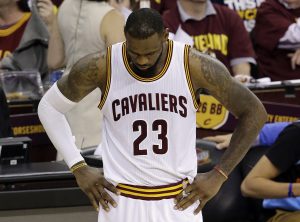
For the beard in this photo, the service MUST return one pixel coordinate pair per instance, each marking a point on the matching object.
(146, 73)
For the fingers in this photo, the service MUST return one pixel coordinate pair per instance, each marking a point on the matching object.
(183, 193)
(213, 138)
(104, 205)
(243, 78)
(187, 201)
(222, 141)
(93, 200)
(98, 196)
(43, 5)
(183, 197)
(222, 146)
(200, 207)
(107, 199)
(110, 187)
(295, 59)
(293, 62)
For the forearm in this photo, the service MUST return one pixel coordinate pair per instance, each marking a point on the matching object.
(51, 112)
(265, 188)
(56, 51)
(243, 137)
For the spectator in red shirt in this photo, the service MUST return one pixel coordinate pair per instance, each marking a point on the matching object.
(277, 39)
(247, 10)
(13, 20)
(24, 34)
(212, 29)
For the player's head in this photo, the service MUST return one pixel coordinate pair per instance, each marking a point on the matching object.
(145, 35)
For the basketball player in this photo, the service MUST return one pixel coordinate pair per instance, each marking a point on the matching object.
(148, 86)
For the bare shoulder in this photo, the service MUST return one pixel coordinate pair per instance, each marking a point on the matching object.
(113, 17)
(206, 69)
(114, 14)
(85, 76)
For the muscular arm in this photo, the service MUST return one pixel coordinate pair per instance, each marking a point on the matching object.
(210, 74)
(87, 74)
(62, 97)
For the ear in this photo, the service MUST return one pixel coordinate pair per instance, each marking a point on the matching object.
(166, 34)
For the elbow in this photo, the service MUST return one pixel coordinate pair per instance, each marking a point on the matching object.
(41, 109)
(247, 188)
(55, 60)
(256, 111)
(53, 65)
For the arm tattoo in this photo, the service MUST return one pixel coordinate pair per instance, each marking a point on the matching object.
(208, 73)
(84, 77)
(212, 75)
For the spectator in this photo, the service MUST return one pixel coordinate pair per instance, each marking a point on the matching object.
(275, 177)
(82, 28)
(213, 29)
(162, 5)
(277, 39)
(25, 36)
(13, 20)
(266, 136)
(246, 209)
(247, 10)
(5, 128)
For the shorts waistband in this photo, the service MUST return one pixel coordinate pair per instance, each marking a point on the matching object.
(151, 193)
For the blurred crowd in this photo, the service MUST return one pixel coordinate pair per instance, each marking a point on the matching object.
(252, 38)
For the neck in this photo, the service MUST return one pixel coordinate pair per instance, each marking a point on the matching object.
(10, 14)
(194, 9)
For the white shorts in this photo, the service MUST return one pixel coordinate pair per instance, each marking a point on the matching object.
(146, 205)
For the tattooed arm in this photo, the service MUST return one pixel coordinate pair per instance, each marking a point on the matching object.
(86, 75)
(210, 74)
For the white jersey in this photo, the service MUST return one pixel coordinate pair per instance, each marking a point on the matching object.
(149, 123)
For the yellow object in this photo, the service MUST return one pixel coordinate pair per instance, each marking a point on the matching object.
(77, 166)
(211, 114)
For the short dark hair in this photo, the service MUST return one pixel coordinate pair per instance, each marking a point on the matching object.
(143, 23)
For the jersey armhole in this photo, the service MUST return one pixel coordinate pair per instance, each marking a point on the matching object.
(108, 78)
(188, 76)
